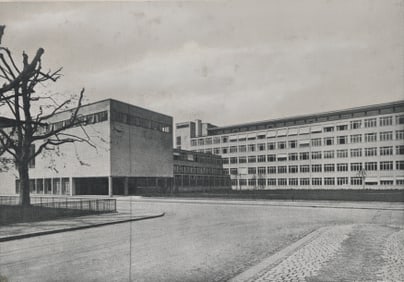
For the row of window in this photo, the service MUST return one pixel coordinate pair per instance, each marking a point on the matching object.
(315, 142)
(140, 122)
(340, 167)
(192, 157)
(207, 181)
(82, 120)
(355, 124)
(315, 181)
(197, 170)
(316, 155)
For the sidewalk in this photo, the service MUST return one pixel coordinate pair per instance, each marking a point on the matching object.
(32, 229)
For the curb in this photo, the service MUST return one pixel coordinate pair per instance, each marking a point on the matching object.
(41, 233)
(276, 258)
(232, 202)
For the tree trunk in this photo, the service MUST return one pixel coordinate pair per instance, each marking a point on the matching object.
(25, 200)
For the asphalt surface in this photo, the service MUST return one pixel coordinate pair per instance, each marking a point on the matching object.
(207, 241)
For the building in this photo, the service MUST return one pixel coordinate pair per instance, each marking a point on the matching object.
(195, 171)
(132, 153)
(185, 131)
(347, 149)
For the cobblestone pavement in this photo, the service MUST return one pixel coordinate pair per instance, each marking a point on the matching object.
(359, 252)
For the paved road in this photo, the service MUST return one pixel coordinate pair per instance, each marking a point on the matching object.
(201, 242)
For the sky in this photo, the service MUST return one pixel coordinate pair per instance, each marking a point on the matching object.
(225, 62)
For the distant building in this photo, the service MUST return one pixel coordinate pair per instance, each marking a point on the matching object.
(199, 172)
(346, 149)
(185, 131)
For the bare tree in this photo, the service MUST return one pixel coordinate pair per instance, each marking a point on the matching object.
(29, 131)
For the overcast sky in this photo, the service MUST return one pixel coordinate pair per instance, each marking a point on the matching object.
(224, 62)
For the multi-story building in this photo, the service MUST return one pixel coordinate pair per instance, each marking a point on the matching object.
(194, 171)
(185, 131)
(132, 152)
(348, 149)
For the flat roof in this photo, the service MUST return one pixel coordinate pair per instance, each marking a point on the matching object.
(312, 117)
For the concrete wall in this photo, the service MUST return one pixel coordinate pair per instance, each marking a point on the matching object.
(137, 151)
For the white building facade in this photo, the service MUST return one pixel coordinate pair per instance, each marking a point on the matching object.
(348, 149)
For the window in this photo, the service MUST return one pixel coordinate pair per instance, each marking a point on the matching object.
(193, 142)
(356, 166)
(293, 169)
(225, 150)
(282, 145)
(386, 121)
(386, 182)
(293, 181)
(329, 181)
(342, 127)
(342, 140)
(400, 119)
(342, 180)
(316, 181)
(216, 140)
(355, 124)
(356, 153)
(370, 122)
(251, 148)
(242, 148)
(316, 168)
(233, 171)
(178, 140)
(292, 144)
(201, 142)
(262, 159)
(342, 167)
(252, 170)
(225, 160)
(304, 168)
(316, 142)
(252, 159)
(370, 137)
(282, 182)
(208, 141)
(371, 166)
(293, 157)
(329, 154)
(233, 160)
(271, 181)
(356, 180)
(342, 153)
(386, 151)
(357, 138)
(225, 139)
(329, 167)
(233, 149)
(386, 165)
(252, 182)
(400, 165)
(272, 158)
(329, 129)
(386, 136)
(399, 181)
(304, 181)
(261, 147)
(316, 155)
(272, 169)
(282, 169)
(242, 160)
(304, 156)
(369, 152)
(262, 170)
(271, 146)
(400, 135)
(400, 150)
(328, 141)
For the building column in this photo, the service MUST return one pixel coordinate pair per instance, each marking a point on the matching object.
(110, 186)
(72, 187)
(126, 186)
